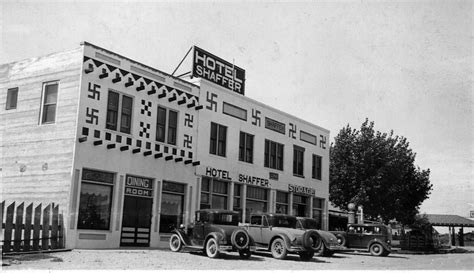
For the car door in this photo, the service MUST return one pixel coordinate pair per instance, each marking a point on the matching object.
(198, 230)
(354, 235)
(266, 231)
(255, 228)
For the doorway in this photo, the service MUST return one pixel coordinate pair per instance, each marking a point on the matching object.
(136, 221)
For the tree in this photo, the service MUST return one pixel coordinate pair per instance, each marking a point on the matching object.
(376, 170)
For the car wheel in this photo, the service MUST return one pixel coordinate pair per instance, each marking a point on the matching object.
(377, 249)
(212, 249)
(245, 254)
(240, 239)
(341, 240)
(175, 243)
(278, 249)
(306, 256)
(385, 253)
(324, 252)
(312, 241)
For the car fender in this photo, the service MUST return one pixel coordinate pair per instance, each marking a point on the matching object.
(182, 235)
(283, 236)
(384, 245)
(327, 237)
(216, 235)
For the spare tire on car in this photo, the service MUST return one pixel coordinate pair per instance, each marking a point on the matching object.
(312, 240)
(240, 239)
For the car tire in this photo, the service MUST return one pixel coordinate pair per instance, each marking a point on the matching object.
(240, 239)
(376, 249)
(245, 254)
(278, 249)
(212, 248)
(312, 241)
(324, 251)
(306, 256)
(341, 239)
(175, 243)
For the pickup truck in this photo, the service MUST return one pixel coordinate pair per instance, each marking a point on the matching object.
(375, 238)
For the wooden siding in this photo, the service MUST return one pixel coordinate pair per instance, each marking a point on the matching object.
(36, 160)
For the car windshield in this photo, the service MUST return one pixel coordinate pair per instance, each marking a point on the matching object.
(226, 219)
(283, 221)
(310, 224)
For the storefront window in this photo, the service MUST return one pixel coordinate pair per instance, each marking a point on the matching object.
(95, 201)
(257, 201)
(318, 207)
(214, 194)
(300, 205)
(238, 200)
(282, 202)
(172, 204)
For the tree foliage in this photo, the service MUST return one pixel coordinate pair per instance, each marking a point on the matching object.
(376, 170)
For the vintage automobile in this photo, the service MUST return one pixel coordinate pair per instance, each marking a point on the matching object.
(376, 238)
(213, 231)
(329, 243)
(278, 234)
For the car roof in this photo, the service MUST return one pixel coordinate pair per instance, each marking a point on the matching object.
(367, 225)
(272, 214)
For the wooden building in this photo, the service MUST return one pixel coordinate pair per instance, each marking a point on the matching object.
(128, 151)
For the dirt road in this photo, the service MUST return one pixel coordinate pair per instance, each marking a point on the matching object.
(166, 260)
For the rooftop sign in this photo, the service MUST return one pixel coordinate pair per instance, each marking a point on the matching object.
(218, 71)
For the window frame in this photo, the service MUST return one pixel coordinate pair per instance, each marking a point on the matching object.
(298, 161)
(317, 167)
(218, 139)
(121, 116)
(274, 155)
(12, 95)
(167, 127)
(246, 146)
(44, 104)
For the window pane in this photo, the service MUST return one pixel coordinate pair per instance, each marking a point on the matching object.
(51, 93)
(112, 111)
(94, 206)
(267, 153)
(213, 142)
(205, 184)
(12, 98)
(160, 124)
(172, 125)
(222, 140)
(126, 119)
(49, 113)
(171, 211)
(280, 157)
(219, 187)
(219, 202)
(242, 146)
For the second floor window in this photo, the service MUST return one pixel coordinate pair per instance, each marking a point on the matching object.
(317, 167)
(298, 160)
(167, 121)
(50, 99)
(273, 155)
(12, 98)
(119, 106)
(218, 139)
(246, 147)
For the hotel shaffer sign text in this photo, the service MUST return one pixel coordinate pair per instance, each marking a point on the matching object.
(218, 71)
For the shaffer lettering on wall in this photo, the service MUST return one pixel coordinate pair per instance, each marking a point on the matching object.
(139, 186)
(253, 180)
(301, 190)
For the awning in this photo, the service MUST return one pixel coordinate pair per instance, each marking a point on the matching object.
(447, 220)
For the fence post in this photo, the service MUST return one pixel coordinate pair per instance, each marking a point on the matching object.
(18, 227)
(7, 244)
(36, 227)
(28, 217)
(54, 228)
(45, 233)
(61, 231)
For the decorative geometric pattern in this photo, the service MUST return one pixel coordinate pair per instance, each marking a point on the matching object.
(146, 108)
(256, 117)
(188, 141)
(322, 142)
(92, 116)
(144, 129)
(188, 120)
(211, 100)
(94, 92)
(292, 130)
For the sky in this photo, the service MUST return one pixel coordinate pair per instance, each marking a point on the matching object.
(407, 66)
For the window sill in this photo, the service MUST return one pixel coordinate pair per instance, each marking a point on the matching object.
(299, 176)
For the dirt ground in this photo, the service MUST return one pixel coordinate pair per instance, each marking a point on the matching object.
(167, 260)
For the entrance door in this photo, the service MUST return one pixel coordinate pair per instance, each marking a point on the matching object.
(136, 221)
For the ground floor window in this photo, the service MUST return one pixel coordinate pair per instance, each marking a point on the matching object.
(256, 202)
(237, 205)
(214, 194)
(282, 202)
(95, 201)
(318, 208)
(300, 204)
(172, 206)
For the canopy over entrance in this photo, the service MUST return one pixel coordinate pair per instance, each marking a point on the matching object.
(447, 220)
